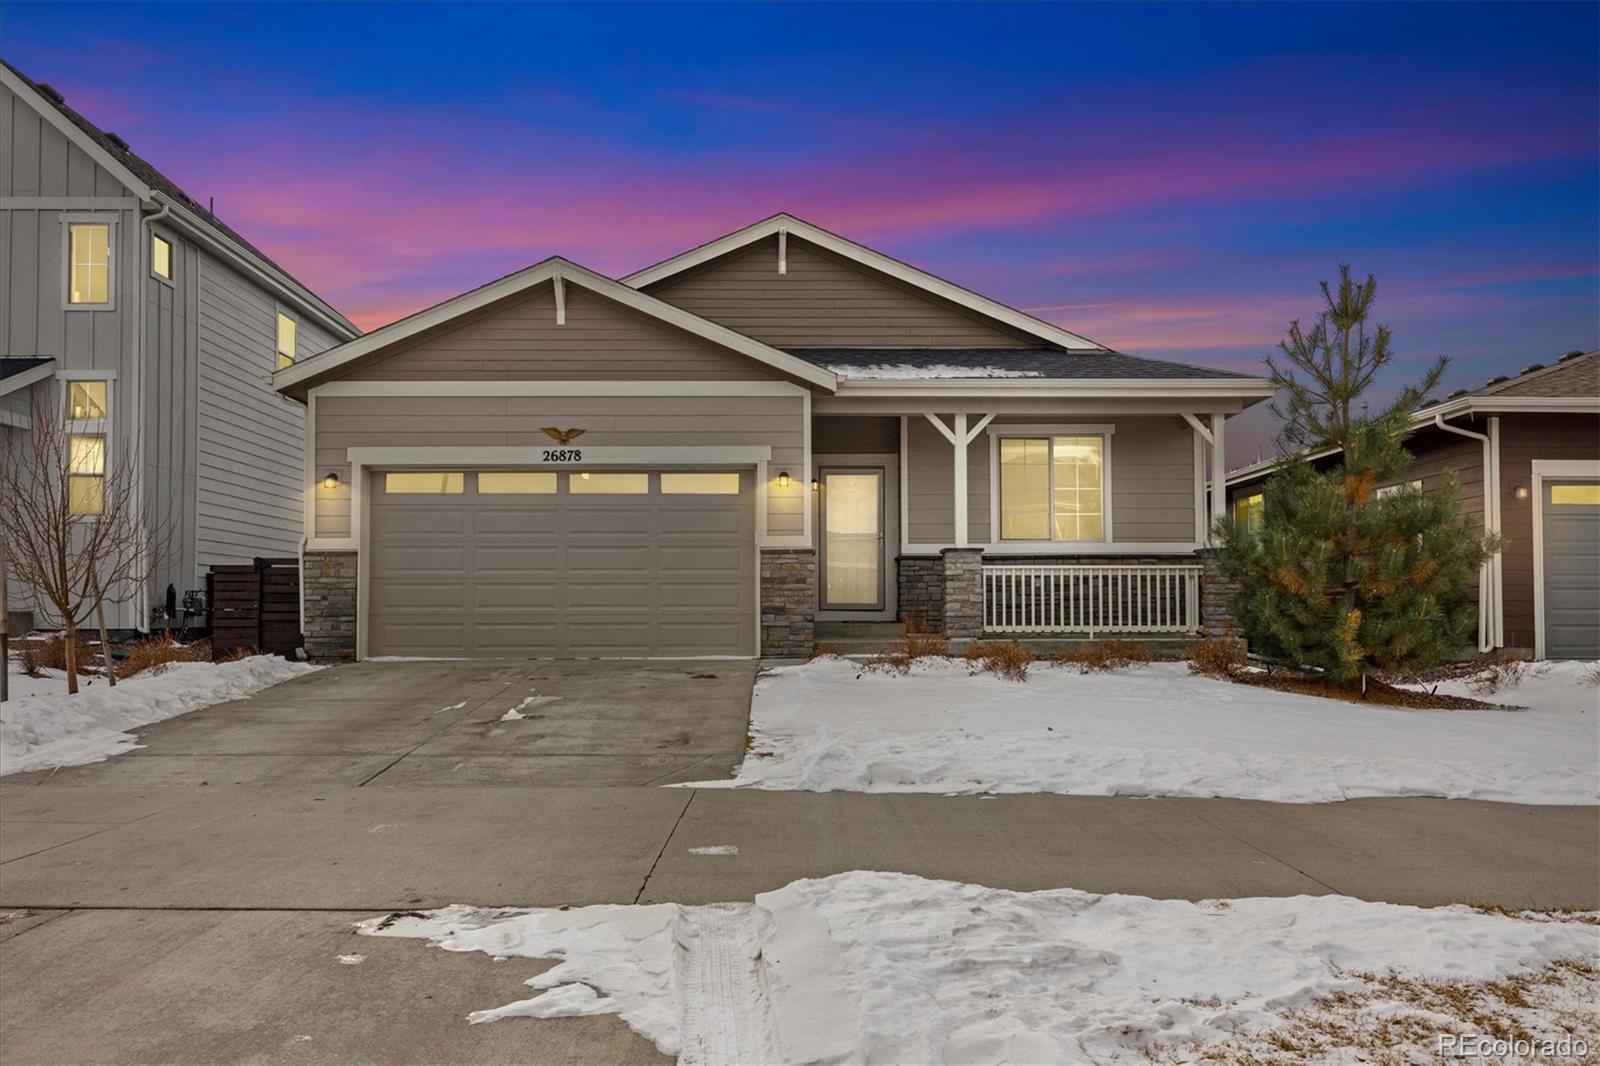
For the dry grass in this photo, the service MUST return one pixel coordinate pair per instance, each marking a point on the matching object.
(1504, 673)
(824, 651)
(50, 653)
(1217, 656)
(1591, 675)
(1104, 655)
(920, 642)
(1004, 658)
(157, 652)
(233, 655)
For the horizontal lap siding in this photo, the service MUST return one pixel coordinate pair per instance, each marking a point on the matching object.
(1524, 438)
(600, 341)
(1152, 480)
(515, 421)
(824, 301)
(250, 441)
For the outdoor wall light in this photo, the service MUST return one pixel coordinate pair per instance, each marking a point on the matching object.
(1520, 491)
(330, 480)
(784, 480)
(816, 486)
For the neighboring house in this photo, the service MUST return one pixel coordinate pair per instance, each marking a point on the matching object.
(1526, 450)
(710, 456)
(132, 311)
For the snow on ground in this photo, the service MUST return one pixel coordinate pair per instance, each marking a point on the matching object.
(42, 727)
(886, 967)
(831, 725)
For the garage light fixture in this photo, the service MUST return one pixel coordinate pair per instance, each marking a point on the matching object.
(816, 486)
(784, 480)
(330, 480)
(1520, 491)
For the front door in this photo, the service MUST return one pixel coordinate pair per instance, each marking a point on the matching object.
(852, 539)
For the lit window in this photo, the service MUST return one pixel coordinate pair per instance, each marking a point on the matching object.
(160, 257)
(86, 401)
(1052, 488)
(608, 484)
(86, 473)
(518, 483)
(700, 484)
(89, 263)
(1390, 490)
(1576, 495)
(287, 328)
(1249, 511)
(430, 483)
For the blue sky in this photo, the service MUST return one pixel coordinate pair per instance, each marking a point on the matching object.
(1171, 180)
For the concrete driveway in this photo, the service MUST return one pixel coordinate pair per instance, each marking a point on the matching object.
(190, 901)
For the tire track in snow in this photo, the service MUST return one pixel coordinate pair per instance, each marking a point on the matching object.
(724, 1014)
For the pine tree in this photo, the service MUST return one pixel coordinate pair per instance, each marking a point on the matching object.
(1336, 578)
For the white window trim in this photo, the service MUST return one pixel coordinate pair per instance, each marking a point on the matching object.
(1555, 470)
(278, 353)
(89, 426)
(172, 257)
(1389, 490)
(1033, 431)
(93, 219)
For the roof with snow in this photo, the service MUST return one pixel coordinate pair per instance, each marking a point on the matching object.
(894, 364)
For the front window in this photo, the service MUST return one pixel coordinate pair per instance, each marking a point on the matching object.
(1052, 488)
(86, 422)
(89, 263)
(287, 340)
(161, 257)
(1248, 512)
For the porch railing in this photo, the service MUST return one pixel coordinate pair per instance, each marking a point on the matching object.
(1133, 598)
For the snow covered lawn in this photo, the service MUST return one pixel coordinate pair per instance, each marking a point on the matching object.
(884, 967)
(1159, 731)
(42, 727)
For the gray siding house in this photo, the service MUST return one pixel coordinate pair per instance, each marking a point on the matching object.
(128, 307)
(778, 433)
(1525, 450)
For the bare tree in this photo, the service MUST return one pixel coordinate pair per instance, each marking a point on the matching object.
(75, 534)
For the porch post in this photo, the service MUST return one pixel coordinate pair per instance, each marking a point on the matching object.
(1219, 503)
(960, 444)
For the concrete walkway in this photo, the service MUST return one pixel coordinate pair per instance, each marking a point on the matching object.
(155, 879)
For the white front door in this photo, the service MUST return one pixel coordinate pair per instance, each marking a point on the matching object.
(852, 540)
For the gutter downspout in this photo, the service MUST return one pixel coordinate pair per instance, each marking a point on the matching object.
(141, 602)
(1489, 574)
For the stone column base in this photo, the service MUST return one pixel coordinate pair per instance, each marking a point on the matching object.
(920, 580)
(1216, 598)
(328, 580)
(788, 602)
(963, 591)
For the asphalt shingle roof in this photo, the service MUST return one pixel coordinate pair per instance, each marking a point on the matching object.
(1577, 374)
(959, 363)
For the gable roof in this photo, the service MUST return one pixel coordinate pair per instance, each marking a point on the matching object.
(1570, 385)
(789, 225)
(307, 371)
(969, 363)
(149, 184)
(18, 372)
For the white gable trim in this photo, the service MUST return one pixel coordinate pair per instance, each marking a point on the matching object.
(790, 226)
(523, 280)
(49, 112)
(20, 381)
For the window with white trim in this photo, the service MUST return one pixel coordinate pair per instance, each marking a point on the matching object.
(1390, 490)
(160, 257)
(1052, 488)
(288, 340)
(89, 264)
(1249, 512)
(88, 401)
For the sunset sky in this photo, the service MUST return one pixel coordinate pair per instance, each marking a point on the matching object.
(1171, 181)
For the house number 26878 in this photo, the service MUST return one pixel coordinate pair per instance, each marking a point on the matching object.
(563, 455)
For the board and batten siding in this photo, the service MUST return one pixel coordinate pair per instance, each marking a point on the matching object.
(600, 341)
(1152, 480)
(251, 452)
(345, 422)
(824, 301)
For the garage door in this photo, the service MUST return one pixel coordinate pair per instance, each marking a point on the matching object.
(558, 563)
(1571, 522)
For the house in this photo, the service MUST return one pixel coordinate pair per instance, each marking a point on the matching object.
(776, 430)
(136, 314)
(1526, 450)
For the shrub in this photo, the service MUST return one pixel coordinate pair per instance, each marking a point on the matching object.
(1006, 658)
(1504, 673)
(1217, 656)
(824, 651)
(51, 654)
(30, 659)
(919, 642)
(1104, 655)
(156, 652)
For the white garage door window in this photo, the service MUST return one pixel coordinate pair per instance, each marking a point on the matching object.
(562, 563)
